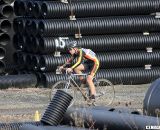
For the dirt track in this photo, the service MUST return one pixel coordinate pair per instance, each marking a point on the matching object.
(17, 105)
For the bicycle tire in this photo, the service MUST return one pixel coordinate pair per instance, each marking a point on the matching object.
(60, 85)
(107, 88)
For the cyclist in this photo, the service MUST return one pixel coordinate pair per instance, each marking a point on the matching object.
(87, 60)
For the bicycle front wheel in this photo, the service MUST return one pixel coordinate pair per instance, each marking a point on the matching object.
(61, 85)
(105, 92)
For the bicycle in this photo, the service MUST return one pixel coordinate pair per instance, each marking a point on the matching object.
(105, 91)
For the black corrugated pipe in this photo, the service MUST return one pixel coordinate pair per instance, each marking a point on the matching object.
(2, 66)
(127, 76)
(2, 52)
(16, 7)
(151, 104)
(108, 60)
(57, 108)
(101, 25)
(28, 61)
(20, 24)
(100, 119)
(48, 45)
(6, 1)
(49, 62)
(5, 25)
(98, 8)
(6, 11)
(28, 43)
(102, 42)
(35, 62)
(37, 12)
(20, 81)
(17, 126)
(35, 47)
(4, 39)
(23, 9)
(30, 6)
(16, 57)
(32, 127)
(18, 41)
(11, 68)
(35, 26)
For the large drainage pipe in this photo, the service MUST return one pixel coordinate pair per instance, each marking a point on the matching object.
(97, 8)
(102, 42)
(5, 25)
(20, 81)
(126, 76)
(151, 104)
(17, 126)
(32, 127)
(4, 39)
(108, 60)
(100, 119)
(98, 25)
(2, 52)
(57, 108)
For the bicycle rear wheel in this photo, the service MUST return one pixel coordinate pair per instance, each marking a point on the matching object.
(105, 92)
(61, 85)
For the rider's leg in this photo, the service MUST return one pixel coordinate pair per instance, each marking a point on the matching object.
(90, 79)
(91, 85)
(78, 70)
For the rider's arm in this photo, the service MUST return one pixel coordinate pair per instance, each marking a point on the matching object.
(80, 57)
(69, 61)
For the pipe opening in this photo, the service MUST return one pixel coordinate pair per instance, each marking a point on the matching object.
(30, 6)
(36, 10)
(5, 25)
(44, 9)
(22, 8)
(4, 39)
(2, 53)
(41, 27)
(7, 11)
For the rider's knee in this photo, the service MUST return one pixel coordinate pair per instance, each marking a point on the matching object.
(89, 78)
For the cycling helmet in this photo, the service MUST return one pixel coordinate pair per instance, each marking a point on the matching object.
(71, 45)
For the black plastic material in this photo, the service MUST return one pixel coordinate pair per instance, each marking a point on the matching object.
(151, 104)
(17, 126)
(6, 11)
(4, 39)
(98, 8)
(108, 120)
(126, 76)
(108, 60)
(55, 112)
(20, 81)
(101, 25)
(2, 52)
(32, 127)
(5, 25)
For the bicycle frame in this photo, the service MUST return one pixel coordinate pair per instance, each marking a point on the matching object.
(70, 78)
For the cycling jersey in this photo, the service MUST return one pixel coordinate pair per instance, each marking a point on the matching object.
(85, 55)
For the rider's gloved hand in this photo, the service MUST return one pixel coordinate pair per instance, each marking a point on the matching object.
(69, 70)
(61, 67)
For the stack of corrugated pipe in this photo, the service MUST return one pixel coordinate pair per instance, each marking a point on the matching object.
(6, 18)
(124, 35)
(6, 35)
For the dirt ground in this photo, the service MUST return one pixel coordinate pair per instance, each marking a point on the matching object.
(18, 105)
